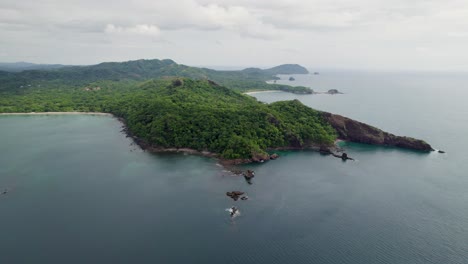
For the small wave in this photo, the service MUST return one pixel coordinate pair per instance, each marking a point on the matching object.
(236, 214)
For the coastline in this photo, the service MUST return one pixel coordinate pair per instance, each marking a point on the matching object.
(145, 146)
(264, 91)
(59, 113)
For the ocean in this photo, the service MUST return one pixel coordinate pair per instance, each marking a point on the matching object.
(79, 191)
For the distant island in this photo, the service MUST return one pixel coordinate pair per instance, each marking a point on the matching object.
(334, 91)
(196, 115)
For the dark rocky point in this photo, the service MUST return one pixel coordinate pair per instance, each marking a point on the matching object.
(355, 131)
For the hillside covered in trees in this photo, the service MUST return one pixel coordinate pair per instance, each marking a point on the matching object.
(187, 113)
(191, 110)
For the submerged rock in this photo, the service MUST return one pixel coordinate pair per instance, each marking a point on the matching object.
(248, 180)
(237, 172)
(325, 150)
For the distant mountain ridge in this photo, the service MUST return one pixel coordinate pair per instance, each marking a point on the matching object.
(24, 66)
(140, 70)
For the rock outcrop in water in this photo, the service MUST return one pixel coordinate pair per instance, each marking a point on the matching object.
(274, 156)
(235, 195)
(249, 174)
(355, 131)
(333, 91)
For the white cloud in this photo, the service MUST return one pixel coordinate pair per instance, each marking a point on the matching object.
(142, 29)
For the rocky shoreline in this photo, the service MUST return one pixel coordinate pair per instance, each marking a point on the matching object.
(348, 130)
(358, 132)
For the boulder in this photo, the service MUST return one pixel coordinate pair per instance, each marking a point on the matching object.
(249, 174)
(344, 156)
(260, 157)
(274, 156)
(235, 195)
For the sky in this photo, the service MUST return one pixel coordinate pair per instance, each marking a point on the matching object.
(350, 34)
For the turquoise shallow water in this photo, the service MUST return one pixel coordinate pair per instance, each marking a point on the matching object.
(80, 192)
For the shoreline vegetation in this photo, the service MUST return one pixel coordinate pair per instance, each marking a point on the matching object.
(154, 149)
(264, 91)
(281, 91)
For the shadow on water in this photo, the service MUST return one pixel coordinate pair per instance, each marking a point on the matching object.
(360, 147)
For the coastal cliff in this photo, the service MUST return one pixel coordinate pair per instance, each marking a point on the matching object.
(355, 131)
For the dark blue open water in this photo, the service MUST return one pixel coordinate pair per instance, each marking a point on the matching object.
(79, 192)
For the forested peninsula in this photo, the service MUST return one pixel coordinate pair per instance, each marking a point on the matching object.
(167, 106)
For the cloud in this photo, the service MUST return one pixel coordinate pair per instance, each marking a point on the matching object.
(142, 29)
(457, 34)
(235, 19)
(328, 32)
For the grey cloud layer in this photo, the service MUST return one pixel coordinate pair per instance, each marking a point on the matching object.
(422, 26)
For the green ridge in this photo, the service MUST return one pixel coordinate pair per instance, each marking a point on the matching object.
(187, 113)
(140, 70)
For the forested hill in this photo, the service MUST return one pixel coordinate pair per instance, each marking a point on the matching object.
(140, 70)
(205, 116)
(187, 113)
(288, 69)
